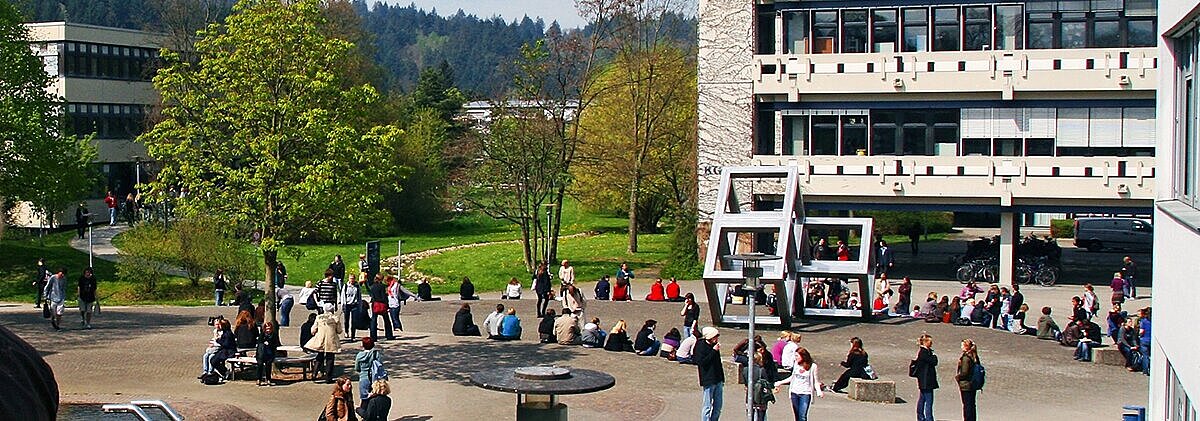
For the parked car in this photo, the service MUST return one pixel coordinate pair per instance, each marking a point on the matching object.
(1097, 234)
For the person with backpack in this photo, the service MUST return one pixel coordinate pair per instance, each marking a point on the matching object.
(970, 378)
(804, 382)
(365, 363)
(924, 369)
(765, 374)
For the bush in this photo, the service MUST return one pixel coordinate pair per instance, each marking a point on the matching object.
(899, 222)
(682, 259)
(1062, 228)
(195, 246)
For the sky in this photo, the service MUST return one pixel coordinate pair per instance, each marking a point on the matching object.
(549, 10)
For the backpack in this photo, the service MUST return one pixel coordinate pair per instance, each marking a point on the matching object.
(378, 372)
(978, 376)
(211, 379)
(764, 390)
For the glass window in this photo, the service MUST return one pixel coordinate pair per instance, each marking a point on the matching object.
(1041, 30)
(1007, 147)
(795, 132)
(795, 32)
(854, 31)
(1106, 33)
(825, 32)
(916, 29)
(824, 135)
(765, 133)
(883, 132)
(916, 138)
(1141, 33)
(1010, 24)
(1186, 147)
(766, 33)
(1073, 31)
(854, 134)
(977, 28)
(976, 147)
(1039, 147)
(945, 29)
(883, 37)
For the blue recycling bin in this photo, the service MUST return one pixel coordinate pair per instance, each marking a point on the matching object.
(1134, 413)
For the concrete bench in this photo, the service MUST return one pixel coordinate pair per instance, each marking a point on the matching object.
(883, 391)
(307, 364)
(239, 364)
(1108, 356)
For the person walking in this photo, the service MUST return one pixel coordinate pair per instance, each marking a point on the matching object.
(379, 308)
(1129, 272)
(111, 202)
(327, 293)
(765, 373)
(338, 267)
(924, 369)
(804, 382)
(707, 357)
(82, 215)
(56, 296)
(566, 278)
(396, 295)
(541, 287)
(886, 258)
(1118, 288)
(40, 278)
(326, 342)
(285, 300)
(219, 285)
(351, 297)
(966, 370)
(130, 208)
(87, 296)
(364, 363)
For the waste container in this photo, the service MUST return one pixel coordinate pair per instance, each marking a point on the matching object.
(1134, 413)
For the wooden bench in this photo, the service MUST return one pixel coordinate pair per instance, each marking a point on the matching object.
(237, 364)
(307, 364)
(883, 391)
(1108, 356)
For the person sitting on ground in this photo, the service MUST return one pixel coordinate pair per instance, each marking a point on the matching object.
(683, 354)
(364, 363)
(955, 308)
(425, 292)
(464, 324)
(566, 328)
(1018, 324)
(1046, 327)
(602, 288)
(646, 343)
(1116, 318)
(512, 291)
(546, 328)
(882, 303)
(492, 323)
(788, 359)
(670, 342)
(1127, 343)
(740, 350)
(618, 338)
(377, 405)
(673, 291)
(245, 331)
(593, 336)
(1088, 332)
(785, 337)
(510, 326)
(1077, 310)
(916, 313)
(964, 316)
(1072, 334)
(306, 330)
(222, 346)
(657, 292)
(621, 290)
(930, 307)
(856, 365)
(466, 291)
(979, 314)
(573, 300)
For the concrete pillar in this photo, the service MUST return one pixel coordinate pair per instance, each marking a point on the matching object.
(1009, 235)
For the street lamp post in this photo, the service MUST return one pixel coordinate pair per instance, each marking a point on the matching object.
(751, 270)
(549, 210)
(89, 226)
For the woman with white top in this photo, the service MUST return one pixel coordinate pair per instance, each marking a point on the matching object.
(513, 290)
(788, 359)
(805, 382)
(307, 299)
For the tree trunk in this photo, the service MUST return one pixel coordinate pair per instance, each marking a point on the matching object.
(269, 258)
(633, 226)
(556, 224)
(525, 246)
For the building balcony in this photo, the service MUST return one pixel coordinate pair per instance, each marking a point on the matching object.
(1004, 72)
(1034, 184)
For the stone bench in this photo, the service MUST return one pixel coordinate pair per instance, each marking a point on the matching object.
(882, 391)
(1108, 356)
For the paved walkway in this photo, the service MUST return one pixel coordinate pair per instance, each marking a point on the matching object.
(101, 245)
(154, 352)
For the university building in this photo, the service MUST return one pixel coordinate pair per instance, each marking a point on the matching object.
(1175, 364)
(104, 75)
(993, 107)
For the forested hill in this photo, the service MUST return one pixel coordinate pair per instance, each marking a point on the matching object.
(406, 39)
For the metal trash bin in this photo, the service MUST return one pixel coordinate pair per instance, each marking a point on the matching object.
(1134, 413)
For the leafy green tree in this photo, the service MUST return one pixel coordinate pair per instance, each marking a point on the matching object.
(267, 132)
(420, 152)
(436, 91)
(41, 164)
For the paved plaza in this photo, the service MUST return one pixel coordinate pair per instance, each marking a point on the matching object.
(154, 352)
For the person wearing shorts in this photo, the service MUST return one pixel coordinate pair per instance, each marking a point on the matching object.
(56, 296)
(87, 296)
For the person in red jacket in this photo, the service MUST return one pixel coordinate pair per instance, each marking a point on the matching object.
(673, 291)
(656, 291)
(112, 208)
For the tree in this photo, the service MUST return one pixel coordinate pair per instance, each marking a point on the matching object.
(41, 164)
(651, 89)
(266, 131)
(420, 152)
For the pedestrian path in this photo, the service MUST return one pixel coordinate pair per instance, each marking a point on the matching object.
(102, 244)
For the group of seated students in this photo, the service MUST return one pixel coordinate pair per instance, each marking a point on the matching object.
(998, 309)
(670, 292)
(245, 335)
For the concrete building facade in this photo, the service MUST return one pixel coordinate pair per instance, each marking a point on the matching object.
(999, 107)
(1175, 365)
(104, 76)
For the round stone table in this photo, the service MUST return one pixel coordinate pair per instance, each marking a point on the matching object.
(537, 388)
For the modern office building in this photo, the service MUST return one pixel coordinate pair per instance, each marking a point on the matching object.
(104, 75)
(1175, 364)
(1000, 107)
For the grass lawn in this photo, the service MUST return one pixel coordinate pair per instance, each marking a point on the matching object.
(468, 229)
(490, 267)
(18, 263)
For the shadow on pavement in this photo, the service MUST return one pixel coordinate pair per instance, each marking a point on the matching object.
(109, 327)
(457, 361)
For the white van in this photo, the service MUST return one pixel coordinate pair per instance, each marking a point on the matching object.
(1097, 234)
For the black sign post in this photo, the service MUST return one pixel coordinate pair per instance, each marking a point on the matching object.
(372, 260)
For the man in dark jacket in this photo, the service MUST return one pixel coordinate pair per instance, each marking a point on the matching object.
(82, 215)
(924, 369)
(712, 375)
(338, 267)
(1014, 303)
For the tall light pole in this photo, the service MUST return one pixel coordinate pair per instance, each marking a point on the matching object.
(549, 210)
(751, 270)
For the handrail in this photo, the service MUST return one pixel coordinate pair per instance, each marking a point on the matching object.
(175, 416)
(116, 408)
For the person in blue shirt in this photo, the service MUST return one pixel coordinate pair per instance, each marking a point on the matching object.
(510, 326)
(1144, 338)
